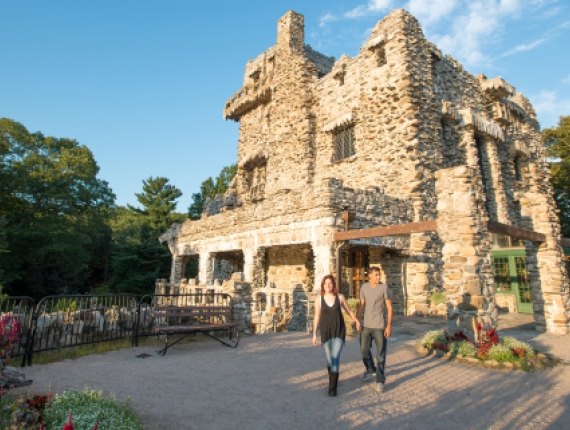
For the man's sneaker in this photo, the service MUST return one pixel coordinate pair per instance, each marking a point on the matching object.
(367, 375)
(380, 387)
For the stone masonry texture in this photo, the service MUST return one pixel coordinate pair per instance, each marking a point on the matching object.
(424, 140)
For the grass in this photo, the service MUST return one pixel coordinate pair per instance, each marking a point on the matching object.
(74, 352)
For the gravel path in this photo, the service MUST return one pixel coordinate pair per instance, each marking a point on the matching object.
(279, 381)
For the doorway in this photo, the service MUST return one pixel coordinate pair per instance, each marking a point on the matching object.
(358, 270)
(511, 277)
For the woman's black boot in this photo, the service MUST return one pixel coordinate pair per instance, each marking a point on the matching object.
(333, 381)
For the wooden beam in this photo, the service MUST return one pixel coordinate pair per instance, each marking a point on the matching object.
(519, 233)
(392, 230)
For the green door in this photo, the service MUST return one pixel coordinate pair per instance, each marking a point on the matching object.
(511, 277)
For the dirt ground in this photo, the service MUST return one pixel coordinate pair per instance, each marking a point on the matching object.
(279, 381)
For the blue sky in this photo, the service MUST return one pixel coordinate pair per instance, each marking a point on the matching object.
(143, 83)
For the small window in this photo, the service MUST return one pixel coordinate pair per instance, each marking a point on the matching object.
(518, 170)
(344, 143)
(380, 54)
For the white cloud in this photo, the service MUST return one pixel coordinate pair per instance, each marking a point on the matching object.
(549, 107)
(325, 19)
(430, 11)
(480, 24)
(373, 6)
(566, 80)
(524, 47)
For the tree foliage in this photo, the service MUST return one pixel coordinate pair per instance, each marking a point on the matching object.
(557, 141)
(210, 188)
(55, 209)
(138, 259)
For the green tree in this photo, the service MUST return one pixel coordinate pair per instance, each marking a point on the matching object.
(158, 202)
(138, 259)
(557, 141)
(54, 206)
(209, 189)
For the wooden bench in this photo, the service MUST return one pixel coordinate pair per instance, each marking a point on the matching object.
(187, 320)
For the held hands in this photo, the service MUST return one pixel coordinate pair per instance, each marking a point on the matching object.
(314, 340)
(358, 326)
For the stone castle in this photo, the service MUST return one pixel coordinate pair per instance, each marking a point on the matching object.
(397, 158)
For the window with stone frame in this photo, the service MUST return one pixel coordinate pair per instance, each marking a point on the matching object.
(343, 139)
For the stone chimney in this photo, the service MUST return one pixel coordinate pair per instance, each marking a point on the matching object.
(291, 33)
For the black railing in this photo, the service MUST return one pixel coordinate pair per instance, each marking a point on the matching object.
(66, 321)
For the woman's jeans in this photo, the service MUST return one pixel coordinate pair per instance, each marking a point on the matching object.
(333, 347)
(366, 343)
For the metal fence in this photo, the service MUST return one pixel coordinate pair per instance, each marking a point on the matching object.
(57, 322)
(66, 321)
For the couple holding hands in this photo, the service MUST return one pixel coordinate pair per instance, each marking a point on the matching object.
(376, 303)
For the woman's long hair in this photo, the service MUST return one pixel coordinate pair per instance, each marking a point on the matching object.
(334, 290)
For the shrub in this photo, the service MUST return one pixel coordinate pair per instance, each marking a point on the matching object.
(88, 407)
(515, 344)
(500, 353)
(437, 298)
(433, 337)
(467, 349)
(353, 303)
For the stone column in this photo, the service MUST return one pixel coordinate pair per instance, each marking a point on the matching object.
(324, 255)
(547, 273)
(495, 182)
(248, 264)
(462, 227)
(177, 269)
(206, 268)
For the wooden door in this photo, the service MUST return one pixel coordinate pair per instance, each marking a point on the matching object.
(359, 266)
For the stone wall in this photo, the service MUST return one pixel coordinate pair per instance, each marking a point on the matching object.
(414, 116)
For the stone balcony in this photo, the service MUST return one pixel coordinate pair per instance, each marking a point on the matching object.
(245, 100)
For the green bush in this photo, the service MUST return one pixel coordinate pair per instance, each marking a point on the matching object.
(500, 353)
(467, 349)
(103, 289)
(353, 303)
(87, 407)
(63, 305)
(432, 337)
(438, 298)
(511, 342)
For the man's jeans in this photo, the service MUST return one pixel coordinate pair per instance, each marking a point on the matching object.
(333, 347)
(366, 337)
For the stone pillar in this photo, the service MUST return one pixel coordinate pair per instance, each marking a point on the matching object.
(324, 256)
(462, 227)
(248, 264)
(177, 269)
(495, 188)
(206, 268)
(547, 273)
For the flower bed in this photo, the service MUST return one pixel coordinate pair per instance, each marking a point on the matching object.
(486, 349)
(72, 410)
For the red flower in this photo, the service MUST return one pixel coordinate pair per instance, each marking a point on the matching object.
(96, 426)
(69, 425)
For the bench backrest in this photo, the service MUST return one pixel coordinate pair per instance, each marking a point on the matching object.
(194, 311)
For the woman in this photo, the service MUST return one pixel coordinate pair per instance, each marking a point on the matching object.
(328, 313)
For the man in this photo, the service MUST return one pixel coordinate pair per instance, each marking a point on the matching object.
(376, 302)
